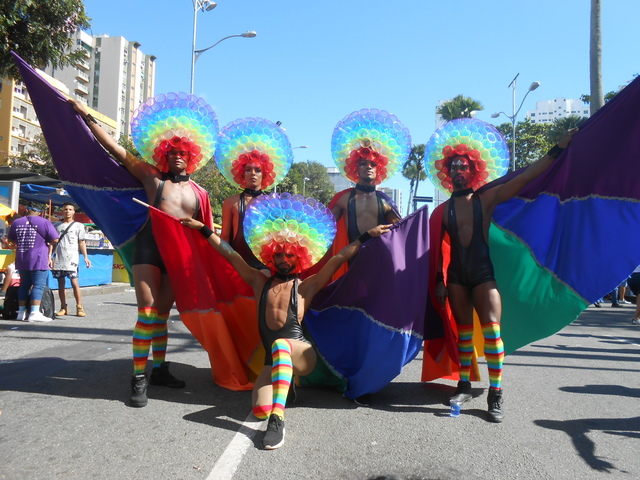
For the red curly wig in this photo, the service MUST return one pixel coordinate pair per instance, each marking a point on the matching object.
(179, 143)
(257, 159)
(269, 250)
(476, 164)
(366, 153)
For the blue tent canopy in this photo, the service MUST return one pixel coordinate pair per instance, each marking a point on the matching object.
(42, 194)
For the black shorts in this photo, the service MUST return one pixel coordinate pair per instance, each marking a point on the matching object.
(145, 249)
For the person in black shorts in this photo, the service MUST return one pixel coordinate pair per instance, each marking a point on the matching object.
(283, 300)
(167, 184)
(470, 282)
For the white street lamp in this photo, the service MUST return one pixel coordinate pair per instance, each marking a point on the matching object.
(301, 146)
(304, 185)
(203, 6)
(197, 53)
(512, 117)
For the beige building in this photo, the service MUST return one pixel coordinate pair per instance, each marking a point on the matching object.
(114, 77)
(19, 125)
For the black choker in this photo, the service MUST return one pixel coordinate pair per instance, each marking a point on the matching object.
(177, 178)
(252, 193)
(462, 193)
(283, 277)
(366, 188)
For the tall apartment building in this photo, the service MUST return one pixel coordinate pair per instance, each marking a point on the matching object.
(114, 77)
(549, 110)
(19, 125)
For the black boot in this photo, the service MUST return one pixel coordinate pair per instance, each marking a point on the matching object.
(161, 376)
(494, 400)
(139, 390)
(462, 393)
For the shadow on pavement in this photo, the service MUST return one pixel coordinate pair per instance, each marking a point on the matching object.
(578, 430)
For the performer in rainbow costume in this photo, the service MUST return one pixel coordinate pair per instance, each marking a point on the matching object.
(368, 147)
(175, 134)
(289, 234)
(378, 334)
(464, 155)
(254, 154)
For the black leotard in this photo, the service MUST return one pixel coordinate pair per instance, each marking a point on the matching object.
(470, 266)
(352, 216)
(145, 248)
(291, 328)
(239, 243)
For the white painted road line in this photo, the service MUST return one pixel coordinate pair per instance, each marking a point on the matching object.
(227, 464)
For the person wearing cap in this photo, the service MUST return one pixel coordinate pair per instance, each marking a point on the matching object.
(288, 250)
(169, 188)
(34, 237)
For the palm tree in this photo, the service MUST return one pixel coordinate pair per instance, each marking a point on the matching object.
(560, 125)
(459, 107)
(595, 58)
(413, 170)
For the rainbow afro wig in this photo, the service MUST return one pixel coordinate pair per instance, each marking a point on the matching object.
(479, 141)
(254, 141)
(282, 222)
(374, 135)
(175, 120)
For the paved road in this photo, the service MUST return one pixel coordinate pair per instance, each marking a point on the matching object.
(570, 405)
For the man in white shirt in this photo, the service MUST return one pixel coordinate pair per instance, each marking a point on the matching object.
(66, 258)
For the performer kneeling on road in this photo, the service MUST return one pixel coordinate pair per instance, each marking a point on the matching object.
(282, 302)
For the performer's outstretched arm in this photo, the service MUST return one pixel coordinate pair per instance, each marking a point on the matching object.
(139, 169)
(250, 275)
(315, 283)
(504, 192)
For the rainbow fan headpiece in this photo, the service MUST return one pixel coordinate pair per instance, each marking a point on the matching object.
(256, 141)
(374, 135)
(175, 120)
(479, 141)
(282, 222)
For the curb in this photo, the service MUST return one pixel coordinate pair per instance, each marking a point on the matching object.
(116, 287)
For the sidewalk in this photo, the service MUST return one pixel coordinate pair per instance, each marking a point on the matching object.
(114, 287)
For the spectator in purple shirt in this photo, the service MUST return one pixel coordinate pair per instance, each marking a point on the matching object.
(35, 237)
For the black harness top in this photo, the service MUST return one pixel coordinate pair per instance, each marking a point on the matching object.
(291, 328)
(145, 248)
(352, 218)
(237, 240)
(470, 266)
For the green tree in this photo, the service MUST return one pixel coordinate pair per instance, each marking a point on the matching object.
(531, 141)
(560, 125)
(218, 188)
(609, 95)
(413, 170)
(39, 31)
(127, 142)
(37, 159)
(318, 184)
(458, 107)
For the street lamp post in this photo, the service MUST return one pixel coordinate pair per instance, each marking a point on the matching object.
(513, 117)
(197, 53)
(203, 6)
(304, 185)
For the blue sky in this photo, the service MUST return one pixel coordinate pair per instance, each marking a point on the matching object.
(312, 63)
